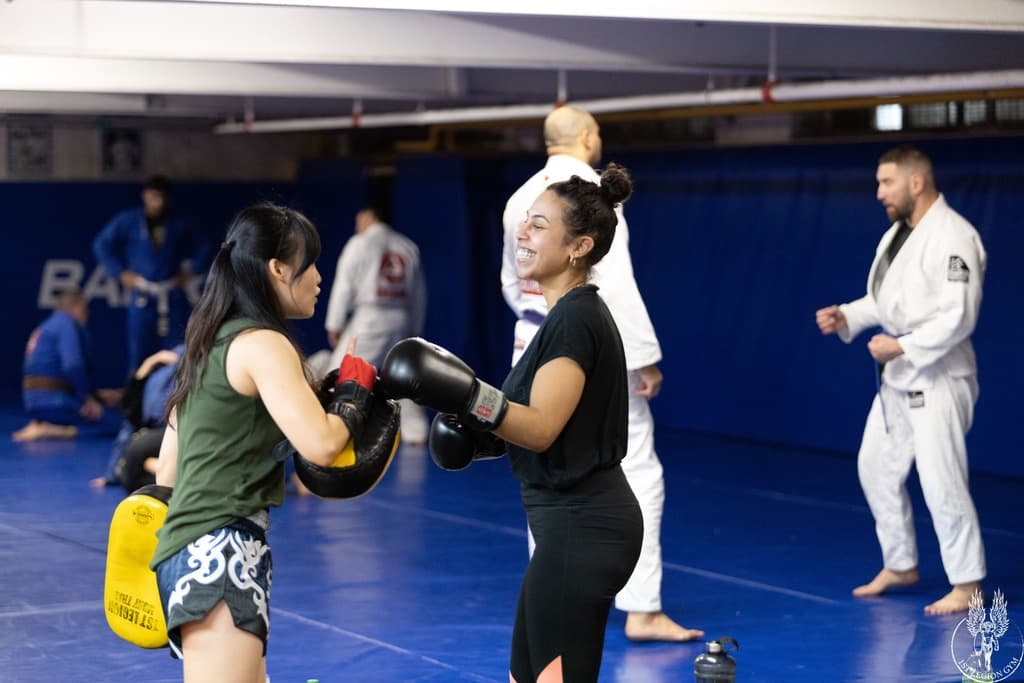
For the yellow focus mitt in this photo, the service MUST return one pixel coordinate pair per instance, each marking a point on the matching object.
(130, 595)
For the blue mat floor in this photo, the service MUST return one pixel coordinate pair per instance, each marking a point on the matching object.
(417, 581)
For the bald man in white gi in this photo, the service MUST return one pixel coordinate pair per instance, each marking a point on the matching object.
(379, 297)
(574, 148)
(924, 291)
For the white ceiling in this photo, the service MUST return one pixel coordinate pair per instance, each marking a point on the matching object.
(216, 60)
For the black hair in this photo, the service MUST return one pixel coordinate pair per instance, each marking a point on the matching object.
(158, 183)
(238, 284)
(905, 154)
(912, 158)
(379, 211)
(591, 209)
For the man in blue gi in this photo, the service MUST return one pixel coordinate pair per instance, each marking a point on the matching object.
(57, 386)
(153, 254)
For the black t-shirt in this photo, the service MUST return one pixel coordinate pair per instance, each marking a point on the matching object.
(581, 328)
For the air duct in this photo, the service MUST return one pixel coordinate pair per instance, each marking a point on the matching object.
(982, 81)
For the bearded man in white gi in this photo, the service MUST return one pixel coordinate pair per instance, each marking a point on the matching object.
(924, 291)
(574, 147)
(379, 297)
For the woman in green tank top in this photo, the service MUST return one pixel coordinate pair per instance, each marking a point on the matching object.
(241, 388)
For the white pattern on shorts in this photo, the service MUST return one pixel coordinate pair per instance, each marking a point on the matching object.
(206, 555)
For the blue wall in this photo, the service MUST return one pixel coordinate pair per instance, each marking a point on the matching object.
(734, 250)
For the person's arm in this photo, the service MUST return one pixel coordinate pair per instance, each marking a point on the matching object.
(650, 381)
(339, 304)
(167, 464)
(264, 363)
(554, 395)
(161, 357)
(858, 316)
(960, 268)
(434, 377)
(109, 246)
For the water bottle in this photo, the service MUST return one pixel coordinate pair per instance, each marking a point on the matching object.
(715, 665)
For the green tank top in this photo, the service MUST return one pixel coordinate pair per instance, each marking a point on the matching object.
(225, 468)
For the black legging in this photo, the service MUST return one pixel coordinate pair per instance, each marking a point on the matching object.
(588, 541)
(131, 468)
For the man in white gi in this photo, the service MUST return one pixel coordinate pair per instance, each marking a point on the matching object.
(574, 147)
(379, 297)
(924, 291)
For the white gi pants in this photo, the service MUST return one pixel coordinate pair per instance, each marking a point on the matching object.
(642, 593)
(927, 429)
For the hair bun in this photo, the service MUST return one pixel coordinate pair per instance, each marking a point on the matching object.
(616, 185)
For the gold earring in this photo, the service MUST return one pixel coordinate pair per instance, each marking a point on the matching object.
(572, 261)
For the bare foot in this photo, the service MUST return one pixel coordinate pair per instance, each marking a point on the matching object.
(648, 626)
(956, 600)
(36, 430)
(28, 432)
(886, 579)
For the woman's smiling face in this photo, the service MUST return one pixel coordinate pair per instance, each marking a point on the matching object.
(541, 246)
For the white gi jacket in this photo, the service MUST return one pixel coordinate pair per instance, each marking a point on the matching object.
(929, 299)
(613, 274)
(379, 282)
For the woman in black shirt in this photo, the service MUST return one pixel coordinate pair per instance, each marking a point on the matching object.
(582, 512)
(562, 417)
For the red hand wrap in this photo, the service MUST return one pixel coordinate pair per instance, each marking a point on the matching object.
(355, 369)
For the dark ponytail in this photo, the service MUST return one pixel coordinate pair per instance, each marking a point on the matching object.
(591, 209)
(238, 284)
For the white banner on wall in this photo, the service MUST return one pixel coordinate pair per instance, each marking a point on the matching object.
(60, 275)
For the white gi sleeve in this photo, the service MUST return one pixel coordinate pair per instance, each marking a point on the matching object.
(860, 315)
(614, 276)
(343, 291)
(960, 268)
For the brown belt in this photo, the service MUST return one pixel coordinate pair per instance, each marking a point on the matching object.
(37, 382)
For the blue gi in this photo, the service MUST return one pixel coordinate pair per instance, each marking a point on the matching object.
(124, 244)
(58, 353)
